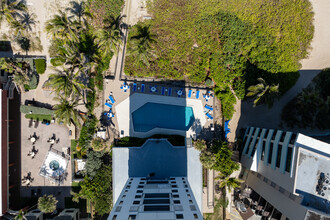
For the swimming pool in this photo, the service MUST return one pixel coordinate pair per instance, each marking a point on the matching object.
(155, 115)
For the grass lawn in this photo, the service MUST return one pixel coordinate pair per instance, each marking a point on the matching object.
(39, 117)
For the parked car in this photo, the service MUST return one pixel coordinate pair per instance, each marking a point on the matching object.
(240, 206)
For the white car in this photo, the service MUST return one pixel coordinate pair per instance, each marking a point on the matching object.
(240, 207)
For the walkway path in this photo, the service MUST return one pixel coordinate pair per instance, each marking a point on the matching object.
(318, 59)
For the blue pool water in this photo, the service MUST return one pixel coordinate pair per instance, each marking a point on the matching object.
(154, 115)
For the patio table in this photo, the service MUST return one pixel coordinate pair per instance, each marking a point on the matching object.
(33, 139)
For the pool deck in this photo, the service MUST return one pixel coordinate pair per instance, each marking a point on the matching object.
(130, 104)
(121, 119)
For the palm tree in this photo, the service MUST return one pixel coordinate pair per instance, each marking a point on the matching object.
(71, 56)
(66, 82)
(108, 38)
(20, 79)
(78, 10)
(229, 182)
(60, 26)
(263, 93)
(66, 111)
(27, 21)
(140, 46)
(10, 9)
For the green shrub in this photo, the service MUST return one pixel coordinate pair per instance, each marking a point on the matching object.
(87, 132)
(209, 82)
(56, 61)
(40, 65)
(228, 101)
(26, 109)
(33, 83)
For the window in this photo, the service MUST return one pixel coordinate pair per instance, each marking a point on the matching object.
(136, 202)
(176, 196)
(138, 196)
(153, 208)
(195, 216)
(288, 160)
(121, 202)
(270, 154)
(157, 195)
(174, 190)
(263, 149)
(193, 208)
(139, 191)
(187, 190)
(179, 216)
(140, 186)
(184, 182)
(278, 158)
(174, 186)
(131, 217)
(273, 184)
(293, 138)
(156, 201)
(281, 190)
(124, 196)
(173, 182)
(114, 217)
(185, 186)
(118, 209)
(177, 202)
(128, 186)
(172, 178)
(188, 195)
(141, 182)
(130, 183)
(265, 180)
(190, 202)
(282, 137)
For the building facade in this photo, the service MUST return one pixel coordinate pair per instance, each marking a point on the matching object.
(288, 172)
(143, 198)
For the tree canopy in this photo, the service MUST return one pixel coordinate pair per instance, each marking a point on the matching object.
(227, 41)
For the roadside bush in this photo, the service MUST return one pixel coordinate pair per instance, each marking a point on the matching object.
(40, 65)
(26, 109)
(56, 61)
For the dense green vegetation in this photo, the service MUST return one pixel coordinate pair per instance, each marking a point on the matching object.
(233, 42)
(40, 65)
(175, 140)
(84, 39)
(97, 183)
(310, 108)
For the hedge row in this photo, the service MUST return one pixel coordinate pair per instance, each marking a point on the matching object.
(40, 65)
(27, 109)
